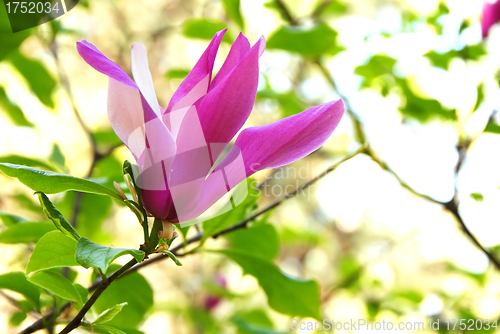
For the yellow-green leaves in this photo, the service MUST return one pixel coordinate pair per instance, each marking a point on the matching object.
(309, 42)
(108, 314)
(52, 183)
(54, 249)
(56, 216)
(16, 281)
(285, 294)
(56, 284)
(90, 254)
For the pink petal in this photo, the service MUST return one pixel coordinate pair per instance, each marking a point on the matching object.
(126, 116)
(226, 107)
(269, 146)
(238, 50)
(290, 139)
(101, 63)
(202, 71)
(142, 75)
(491, 15)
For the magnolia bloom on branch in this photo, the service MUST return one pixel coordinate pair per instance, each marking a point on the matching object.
(177, 148)
(491, 15)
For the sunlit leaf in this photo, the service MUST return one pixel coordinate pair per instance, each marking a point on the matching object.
(52, 183)
(261, 240)
(17, 318)
(422, 108)
(290, 104)
(26, 161)
(9, 219)
(215, 225)
(478, 197)
(176, 73)
(376, 66)
(309, 42)
(37, 76)
(248, 328)
(204, 29)
(56, 284)
(16, 281)
(492, 127)
(26, 232)
(8, 40)
(54, 249)
(57, 156)
(132, 289)
(12, 111)
(90, 254)
(93, 212)
(234, 11)
(109, 314)
(285, 294)
(56, 216)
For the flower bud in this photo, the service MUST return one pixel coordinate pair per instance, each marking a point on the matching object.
(119, 189)
(131, 187)
(168, 230)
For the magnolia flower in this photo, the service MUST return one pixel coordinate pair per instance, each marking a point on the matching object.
(177, 148)
(491, 15)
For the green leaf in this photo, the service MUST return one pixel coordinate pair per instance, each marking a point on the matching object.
(234, 11)
(133, 289)
(30, 162)
(173, 257)
(442, 60)
(56, 284)
(309, 42)
(176, 73)
(289, 103)
(52, 183)
(108, 329)
(492, 127)
(12, 111)
(89, 254)
(10, 41)
(215, 225)
(56, 216)
(478, 197)
(204, 29)
(285, 294)
(17, 318)
(473, 52)
(261, 240)
(480, 96)
(422, 108)
(332, 8)
(245, 327)
(57, 156)
(54, 249)
(84, 293)
(16, 281)
(106, 138)
(376, 66)
(23, 233)
(10, 219)
(108, 314)
(94, 210)
(37, 76)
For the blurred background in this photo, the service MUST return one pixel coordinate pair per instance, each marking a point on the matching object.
(389, 235)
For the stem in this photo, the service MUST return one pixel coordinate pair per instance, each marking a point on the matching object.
(102, 287)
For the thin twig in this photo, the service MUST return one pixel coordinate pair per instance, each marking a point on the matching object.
(286, 13)
(102, 287)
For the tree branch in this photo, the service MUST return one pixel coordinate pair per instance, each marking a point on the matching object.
(101, 288)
